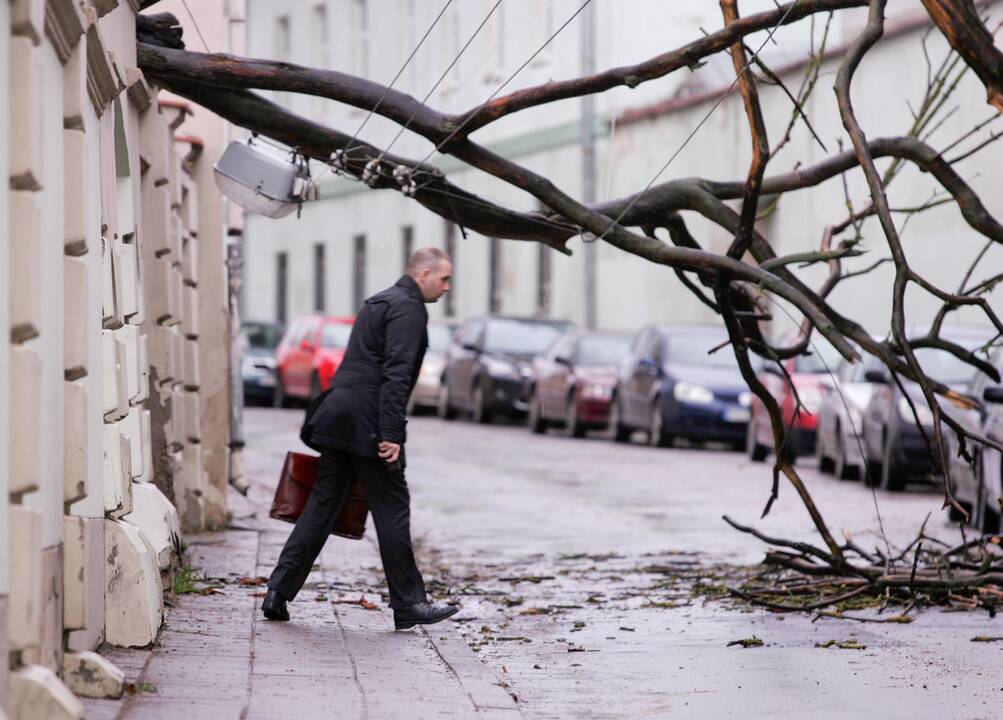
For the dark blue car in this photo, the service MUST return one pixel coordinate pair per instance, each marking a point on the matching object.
(670, 386)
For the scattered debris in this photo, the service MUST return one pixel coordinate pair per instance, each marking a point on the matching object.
(842, 644)
(252, 581)
(987, 638)
(747, 642)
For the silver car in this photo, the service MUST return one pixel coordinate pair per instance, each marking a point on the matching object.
(845, 395)
(426, 390)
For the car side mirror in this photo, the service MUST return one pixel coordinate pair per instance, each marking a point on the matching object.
(993, 394)
(562, 360)
(878, 377)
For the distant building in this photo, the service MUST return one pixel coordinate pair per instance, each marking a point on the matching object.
(354, 240)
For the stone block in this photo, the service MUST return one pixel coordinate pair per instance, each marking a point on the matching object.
(154, 514)
(174, 181)
(128, 337)
(129, 297)
(146, 432)
(160, 353)
(179, 354)
(158, 291)
(25, 434)
(90, 675)
(37, 692)
(76, 419)
(190, 260)
(75, 87)
(76, 329)
(75, 179)
(26, 97)
(189, 406)
(133, 592)
(144, 370)
(188, 495)
(109, 313)
(156, 223)
(117, 473)
(25, 572)
(25, 265)
(132, 428)
(4, 653)
(155, 147)
(51, 647)
(115, 366)
(175, 236)
(83, 573)
(27, 19)
(192, 377)
(190, 315)
(190, 207)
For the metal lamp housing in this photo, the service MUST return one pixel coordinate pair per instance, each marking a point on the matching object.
(261, 179)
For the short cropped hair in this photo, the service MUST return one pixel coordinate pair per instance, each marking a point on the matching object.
(426, 257)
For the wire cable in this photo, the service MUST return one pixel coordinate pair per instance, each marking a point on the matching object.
(720, 99)
(502, 86)
(351, 143)
(195, 23)
(438, 82)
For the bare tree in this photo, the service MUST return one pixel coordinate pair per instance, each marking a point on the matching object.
(733, 283)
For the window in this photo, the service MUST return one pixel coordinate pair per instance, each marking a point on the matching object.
(360, 38)
(359, 278)
(494, 277)
(450, 248)
(335, 335)
(407, 245)
(283, 44)
(318, 36)
(281, 282)
(543, 280)
(318, 277)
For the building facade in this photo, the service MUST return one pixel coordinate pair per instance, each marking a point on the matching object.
(115, 380)
(353, 241)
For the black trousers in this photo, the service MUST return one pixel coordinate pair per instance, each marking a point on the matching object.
(389, 503)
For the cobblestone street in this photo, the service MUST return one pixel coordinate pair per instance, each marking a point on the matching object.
(587, 572)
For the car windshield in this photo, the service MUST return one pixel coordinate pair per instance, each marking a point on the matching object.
(598, 350)
(944, 367)
(520, 337)
(335, 335)
(823, 358)
(439, 337)
(260, 335)
(692, 349)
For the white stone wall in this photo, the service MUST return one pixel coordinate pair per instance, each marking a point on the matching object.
(101, 302)
(630, 292)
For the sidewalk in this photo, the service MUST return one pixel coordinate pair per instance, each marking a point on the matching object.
(217, 658)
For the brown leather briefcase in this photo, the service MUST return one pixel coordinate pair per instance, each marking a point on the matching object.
(299, 475)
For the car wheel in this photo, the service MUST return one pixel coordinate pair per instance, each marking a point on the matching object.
(279, 397)
(840, 468)
(445, 408)
(482, 415)
(955, 515)
(657, 436)
(621, 433)
(990, 520)
(825, 463)
(891, 477)
(537, 423)
(572, 426)
(756, 450)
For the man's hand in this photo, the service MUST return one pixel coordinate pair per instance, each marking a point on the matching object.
(389, 452)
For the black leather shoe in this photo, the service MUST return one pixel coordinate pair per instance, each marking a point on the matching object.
(274, 606)
(423, 613)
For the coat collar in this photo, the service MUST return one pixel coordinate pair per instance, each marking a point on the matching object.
(410, 286)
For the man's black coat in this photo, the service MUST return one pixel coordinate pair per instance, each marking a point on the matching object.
(368, 399)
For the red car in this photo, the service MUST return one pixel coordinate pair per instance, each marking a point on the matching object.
(308, 356)
(572, 381)
(806, 373)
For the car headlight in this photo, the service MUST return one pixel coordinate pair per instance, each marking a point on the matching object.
(596, 391)
(693, 394)
(745, 398)
(923, 413)
(501, 369)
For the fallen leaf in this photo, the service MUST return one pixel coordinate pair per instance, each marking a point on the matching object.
(747, 642)
(987, 638)
(252, 581)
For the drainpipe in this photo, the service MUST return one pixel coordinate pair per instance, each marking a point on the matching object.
(589, 158)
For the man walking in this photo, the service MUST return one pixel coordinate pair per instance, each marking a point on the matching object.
(360, 428)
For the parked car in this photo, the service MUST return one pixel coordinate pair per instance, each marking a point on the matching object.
(488, 363)
(671, 387)
(257, 366)
(572, 382)
(308, 356)
(896, 450)
(978, 486)
(840, 442)
(806, 372)
(426, 389)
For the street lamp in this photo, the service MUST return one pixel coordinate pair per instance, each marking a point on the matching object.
(264, 179)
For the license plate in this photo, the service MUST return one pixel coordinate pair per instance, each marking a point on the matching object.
(736, 415)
